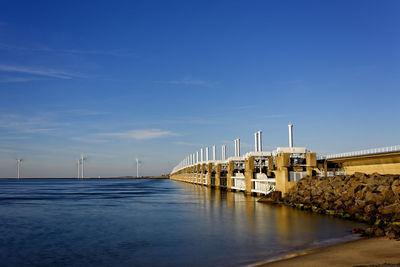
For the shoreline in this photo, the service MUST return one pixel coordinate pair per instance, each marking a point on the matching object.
(363, 251)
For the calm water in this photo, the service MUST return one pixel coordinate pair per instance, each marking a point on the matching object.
(148, 222)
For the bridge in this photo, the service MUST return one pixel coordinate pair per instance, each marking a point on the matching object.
(261, 172)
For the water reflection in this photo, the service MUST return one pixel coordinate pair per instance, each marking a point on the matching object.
(148, 222)
(271, 229)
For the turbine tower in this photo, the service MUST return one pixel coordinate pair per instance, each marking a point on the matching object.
(19, 160)
(137, 167)
(78, 163)
(83, 158)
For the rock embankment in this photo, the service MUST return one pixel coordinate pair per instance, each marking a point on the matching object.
(374, 199)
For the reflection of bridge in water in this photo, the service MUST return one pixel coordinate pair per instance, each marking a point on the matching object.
(261, 172)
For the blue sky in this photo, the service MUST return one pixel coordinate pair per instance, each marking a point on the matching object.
(160, 79)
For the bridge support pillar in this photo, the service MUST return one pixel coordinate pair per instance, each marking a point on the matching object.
(209, 172)
(229, 176)
(202, 173)
(282, 173)
(193, 174)
(198, 174)
(218, 176)
(248, 174)
(270, 166)
(311, 161)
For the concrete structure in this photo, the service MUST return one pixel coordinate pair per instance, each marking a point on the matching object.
(259, 172)
(385, 160)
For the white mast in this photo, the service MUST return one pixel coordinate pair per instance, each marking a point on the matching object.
(290, 134)
(256, 141)
(82, 166)
(78, 163)
(18, 167)
(214, 152)
(137, 168)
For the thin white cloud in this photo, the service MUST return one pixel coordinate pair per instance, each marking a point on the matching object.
(86, 112)
(19, 79)
(88, 140)
(42, 48)
(38, 71)
(30, 125)
(189, 81)
(144, 134)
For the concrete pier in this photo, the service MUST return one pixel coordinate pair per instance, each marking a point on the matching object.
(259, 172)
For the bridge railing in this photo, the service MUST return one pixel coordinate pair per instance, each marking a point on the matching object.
(362, 152)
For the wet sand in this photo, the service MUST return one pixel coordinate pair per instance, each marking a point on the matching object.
(360, 252)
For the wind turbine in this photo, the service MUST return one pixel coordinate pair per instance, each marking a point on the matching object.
(137, 167)
(83, 158)
(19, 160)
(78, 163)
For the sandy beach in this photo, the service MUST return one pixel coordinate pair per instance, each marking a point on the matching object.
(360, 252)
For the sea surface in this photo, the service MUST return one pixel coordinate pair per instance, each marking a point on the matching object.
(48, 222)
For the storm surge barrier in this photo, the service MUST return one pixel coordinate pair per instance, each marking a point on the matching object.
(261, 172)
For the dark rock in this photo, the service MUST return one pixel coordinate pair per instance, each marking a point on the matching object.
(370, 208)
(370, 231)
(374, 198)
(392, 235)
(338, 204)
(360, 204)
(390, 209)
(379, 232)
(358, 231)
(274, 196)
(359, 175)
(325, 206)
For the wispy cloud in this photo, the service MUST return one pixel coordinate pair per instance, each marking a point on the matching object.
(144, 134)
(42, 48)
(39, 71)
(29, 125)
(189, 81)
(86, 112)
(88, 140)
(6, 79)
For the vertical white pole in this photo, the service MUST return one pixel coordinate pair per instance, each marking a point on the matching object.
(290, 135)
(83, 166)
(137, 168)
(197, 157)
(223, 152)
(207, 154)
(238, 147)
(18, 166)
(235, 147)
(201, 155)
(214, 151)
(255, 142)
(259, 141)
(79, 166)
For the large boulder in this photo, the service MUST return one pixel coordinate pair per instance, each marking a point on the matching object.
(360, 204)
(396, 188)
(374, 198)
(370, 209)
(389, 210)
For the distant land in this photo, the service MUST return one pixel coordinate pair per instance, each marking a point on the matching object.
(164, 176)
